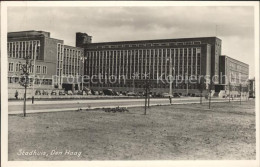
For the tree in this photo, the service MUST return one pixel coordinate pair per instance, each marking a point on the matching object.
(147, 88)
(25, 80)
(209, 88)
(240, 92)
(201, 82)
(229, 90)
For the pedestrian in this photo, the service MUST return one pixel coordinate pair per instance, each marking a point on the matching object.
(16, 94)
(170, 98)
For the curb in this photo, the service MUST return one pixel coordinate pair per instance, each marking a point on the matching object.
(94, 108)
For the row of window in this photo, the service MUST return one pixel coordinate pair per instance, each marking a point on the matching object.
(37, 81)
(133, 52)
(16, 67)
(151, 44)
(141, 85)
(21, 49)
(99, 62)
(68, 62)
(238, 67)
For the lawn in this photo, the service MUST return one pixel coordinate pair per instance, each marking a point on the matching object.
(177, 132)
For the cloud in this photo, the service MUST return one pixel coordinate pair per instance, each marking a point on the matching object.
(231, 24)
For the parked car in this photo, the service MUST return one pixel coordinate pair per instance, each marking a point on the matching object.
(87, 90)
(61, 92)
(176, 95)
(156, 95)
(80, 92)
(70, 92)
(115, 93)
(166, 95)
(96, 93)
(44, 92)
(148, 94)
(131, 94)
(53, 92)
(38, 92)
(108, 92)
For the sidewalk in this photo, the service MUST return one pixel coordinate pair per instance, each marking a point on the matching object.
(113, 106)
(29, 102)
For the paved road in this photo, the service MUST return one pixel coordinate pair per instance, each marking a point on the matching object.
(16, 107)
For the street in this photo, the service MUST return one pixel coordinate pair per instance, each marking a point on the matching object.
(16, 107)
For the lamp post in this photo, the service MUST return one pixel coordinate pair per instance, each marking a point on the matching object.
(187, 84)
(240, 87)
(171, 69)
(25, 81)
(247, 91)
(209, 94)
(133, 83)
(82, 75)
(34, 64)
(229, 90)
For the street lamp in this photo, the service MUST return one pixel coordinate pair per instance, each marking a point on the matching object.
(171, 81)
(82, 75)
(187, 85)
(171, 69)
(229, 90)
(34, 64)
(240, 87)
(25, 80)
(133, 83)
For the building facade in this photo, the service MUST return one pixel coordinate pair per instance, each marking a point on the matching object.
(122, 66)
(133, 61)
(252, 88)
(52, 61)
(233, 73)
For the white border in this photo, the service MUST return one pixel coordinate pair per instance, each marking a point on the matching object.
(4, 102)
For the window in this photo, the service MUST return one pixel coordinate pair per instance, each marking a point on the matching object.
(31, 69)
(140, 45)
(180, 43)
(38, 69)
(44, 69)
(17, 67)
(196, 42)
(11, 67)
(198, 50)
(188, 43)
(172, 43)
(164, 44)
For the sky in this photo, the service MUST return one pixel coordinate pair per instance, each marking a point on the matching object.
(233, 25)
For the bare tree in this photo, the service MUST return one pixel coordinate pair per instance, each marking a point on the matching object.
(201, 82)
(240, 92)
(210, 91)
(25, 80)
(147, 89)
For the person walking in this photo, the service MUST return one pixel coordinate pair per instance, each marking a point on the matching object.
(170, 98)
(16, 94)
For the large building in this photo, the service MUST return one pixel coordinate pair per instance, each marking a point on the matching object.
(157, 59)
(233, 71)
(252, 88)
(54, 62)
(233, 74)
(121, 66)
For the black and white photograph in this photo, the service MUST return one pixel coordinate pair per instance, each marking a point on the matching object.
(130, 82)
